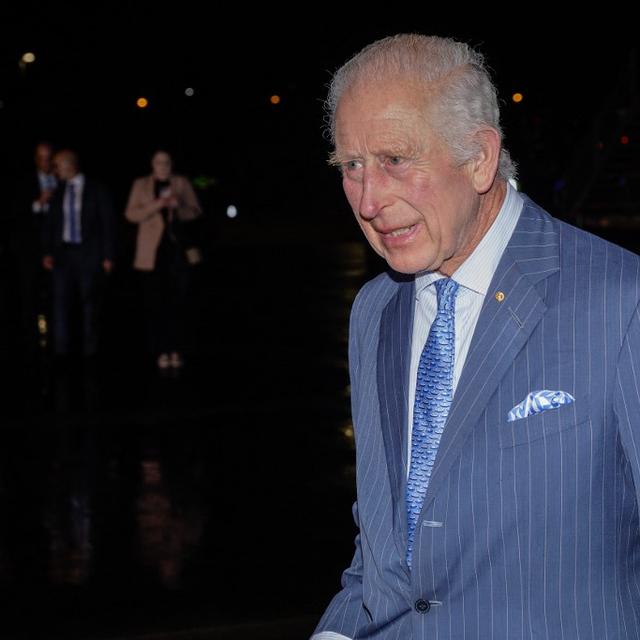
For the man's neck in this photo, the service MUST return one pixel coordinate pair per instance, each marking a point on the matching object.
(488, 208)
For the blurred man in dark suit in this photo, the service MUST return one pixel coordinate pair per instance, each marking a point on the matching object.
(78, 243)
(30, 206)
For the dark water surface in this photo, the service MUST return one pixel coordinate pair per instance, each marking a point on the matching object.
(134, 502)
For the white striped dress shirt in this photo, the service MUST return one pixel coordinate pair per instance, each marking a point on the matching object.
(78, 184)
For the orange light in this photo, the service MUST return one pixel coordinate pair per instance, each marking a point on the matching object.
(624, 139)
(142, 103)
(274, 99)
(517, 97)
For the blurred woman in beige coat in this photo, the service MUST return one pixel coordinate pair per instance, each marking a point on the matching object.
(159, 204)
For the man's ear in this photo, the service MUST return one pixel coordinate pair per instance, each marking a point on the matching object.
(485, 165)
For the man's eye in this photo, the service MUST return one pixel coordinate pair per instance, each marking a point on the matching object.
(395, 160)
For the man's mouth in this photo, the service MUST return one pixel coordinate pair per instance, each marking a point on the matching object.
(402, 231)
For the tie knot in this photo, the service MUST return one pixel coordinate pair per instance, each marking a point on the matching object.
(447, 290)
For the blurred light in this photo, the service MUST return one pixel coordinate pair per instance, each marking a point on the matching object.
(517, 97)
(599, 146)
(624, 139)
(232, 211)
(142, 103)
(28, 57)
(189, 91)
(42, 324)
(274, 99)
(204, 182)
(347, 431)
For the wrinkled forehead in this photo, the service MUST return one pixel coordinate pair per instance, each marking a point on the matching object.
(385, 111)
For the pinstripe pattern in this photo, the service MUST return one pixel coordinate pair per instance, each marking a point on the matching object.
(529, 528)
(474, 275)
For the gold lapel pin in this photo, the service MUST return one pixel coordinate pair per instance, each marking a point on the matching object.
(499, 296)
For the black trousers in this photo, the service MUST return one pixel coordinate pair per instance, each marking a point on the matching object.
(76, 285)
(165, 296)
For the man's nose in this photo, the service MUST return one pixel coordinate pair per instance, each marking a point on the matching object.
(375, 189)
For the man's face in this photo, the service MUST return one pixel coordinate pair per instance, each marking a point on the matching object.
(64, 167)
(417, 209)
(43, 158)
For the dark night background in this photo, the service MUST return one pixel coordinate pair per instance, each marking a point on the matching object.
(93, 62)
(216, 503)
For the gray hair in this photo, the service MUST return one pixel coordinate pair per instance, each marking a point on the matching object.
(465, 98)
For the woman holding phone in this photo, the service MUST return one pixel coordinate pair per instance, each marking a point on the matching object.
(160, 204)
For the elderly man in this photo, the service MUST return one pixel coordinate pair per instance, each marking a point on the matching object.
(495, 376)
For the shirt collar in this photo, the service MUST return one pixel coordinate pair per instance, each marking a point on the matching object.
(77, 180)
(476, 272)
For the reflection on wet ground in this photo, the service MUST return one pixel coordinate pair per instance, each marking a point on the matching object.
(139, 503)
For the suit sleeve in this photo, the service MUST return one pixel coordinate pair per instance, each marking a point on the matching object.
(345, 615)
(138, 207)
(189, 208)
(49, 221)
(627, 397)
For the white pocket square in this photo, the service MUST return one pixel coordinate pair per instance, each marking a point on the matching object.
(538, 401)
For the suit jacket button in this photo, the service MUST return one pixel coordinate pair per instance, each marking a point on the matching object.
(422, 606)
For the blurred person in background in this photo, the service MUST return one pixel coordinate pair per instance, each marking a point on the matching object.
(160, 204)
(79, 245)
(30, 206)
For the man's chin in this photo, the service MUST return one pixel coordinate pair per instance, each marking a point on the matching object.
(408, 266)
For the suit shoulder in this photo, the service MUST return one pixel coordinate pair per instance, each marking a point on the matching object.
(582, 249)
(376, 293)
(182, 182)
(140, 182)
(597, 253)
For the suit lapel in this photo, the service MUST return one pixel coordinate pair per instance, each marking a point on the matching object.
(503, 329)
(394, 357)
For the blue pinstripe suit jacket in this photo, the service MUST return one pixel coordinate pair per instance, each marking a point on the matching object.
(530, 529)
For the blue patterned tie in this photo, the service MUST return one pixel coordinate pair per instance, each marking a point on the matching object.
(434, 391)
